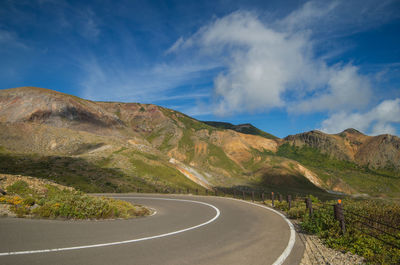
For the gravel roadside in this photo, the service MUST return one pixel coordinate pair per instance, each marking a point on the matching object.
(316, 253)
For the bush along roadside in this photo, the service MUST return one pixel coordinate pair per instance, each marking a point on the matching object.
(55, 202)
(369, 228)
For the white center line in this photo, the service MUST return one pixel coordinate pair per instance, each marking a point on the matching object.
(125, 241)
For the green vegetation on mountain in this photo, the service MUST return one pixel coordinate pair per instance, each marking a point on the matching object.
(119, 147)
(97, 176)
(242, 128)
(364, 179)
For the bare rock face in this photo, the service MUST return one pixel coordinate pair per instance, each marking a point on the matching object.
(38, 105)
(375, 151)
(328, 144)
(380, 151)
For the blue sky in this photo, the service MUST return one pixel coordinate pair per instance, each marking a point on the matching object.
(284, 66)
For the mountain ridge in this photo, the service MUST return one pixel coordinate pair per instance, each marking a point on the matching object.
(139, 141)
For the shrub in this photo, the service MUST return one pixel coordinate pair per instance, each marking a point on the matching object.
(29, 201)
(356, 238)
(19, 187)
(296, 212)
(20, 210)
(58, 203)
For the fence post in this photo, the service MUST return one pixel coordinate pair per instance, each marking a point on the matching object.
(309, 206)
(280, 197)
(338, 213)
(244, 195)
(216, 192)
(289, 200)
(272, 199)
(263, 198)
(252, 196)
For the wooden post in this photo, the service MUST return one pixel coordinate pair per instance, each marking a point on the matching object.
(206, 191)
(216, 192)
(289, 201)
(338, 213)
(309, 206)
(263, 197)
(244, 196)
(252, 196)
(272, 199)
(280, 197)
(187, 191)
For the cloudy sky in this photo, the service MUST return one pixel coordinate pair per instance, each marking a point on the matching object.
(284, 66)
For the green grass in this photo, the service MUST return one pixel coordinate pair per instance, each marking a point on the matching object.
(64, 203)
(153, 135)
(163, 176)
(72, 171)
(165, 144)
(218, 158)
(186, 145)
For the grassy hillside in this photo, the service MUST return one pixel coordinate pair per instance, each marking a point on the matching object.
(98, 174)
(382, 182)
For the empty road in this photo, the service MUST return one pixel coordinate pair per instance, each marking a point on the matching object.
(184, 230)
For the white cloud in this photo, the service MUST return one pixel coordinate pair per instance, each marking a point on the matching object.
(268, 68)
(113, 80)
(88, 24)
(332, 19)
(307, 15)
(378, 120)
(345, 90)
(11, 39)
(277, 64)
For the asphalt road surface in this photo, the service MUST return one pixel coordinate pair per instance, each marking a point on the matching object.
(184, 230)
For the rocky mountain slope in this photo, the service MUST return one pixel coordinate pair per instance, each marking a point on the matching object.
(381, 151)
(112, 146)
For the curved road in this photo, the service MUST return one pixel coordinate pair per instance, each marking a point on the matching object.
(184, 230)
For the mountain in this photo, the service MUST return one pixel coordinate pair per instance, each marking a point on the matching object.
(120, 147)
(246, 128)
(382, 151)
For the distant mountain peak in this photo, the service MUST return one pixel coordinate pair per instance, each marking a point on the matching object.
(352, 131)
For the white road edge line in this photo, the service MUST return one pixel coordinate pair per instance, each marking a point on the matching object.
(125, 241)
(292, 239)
